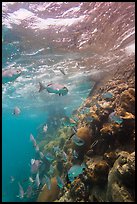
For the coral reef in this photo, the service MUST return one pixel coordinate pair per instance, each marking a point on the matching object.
(104, 139)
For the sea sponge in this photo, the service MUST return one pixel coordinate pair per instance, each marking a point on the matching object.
(101, 168)
(83, 133)
(47, 195)
(128, 100)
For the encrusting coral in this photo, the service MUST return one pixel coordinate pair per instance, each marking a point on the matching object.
(83, 133)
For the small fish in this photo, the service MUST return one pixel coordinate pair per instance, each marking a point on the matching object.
(29, 191)
(31, 180)
(48, 182)
(51, 170)
(69, 124)
(9, 75)
(78, 141)
(35, 165)
(12, 179)
(41, 155)
(37, 148)
(115, 118)
(21, 191)
(75, 154)
(75, 171)
(45, 128)
(57, 89)
(32, 161)
(62, 71)
(89, 119)
(97, 105)
(16, 111)
(85, 110)
(54, 88)
(32, 139)
(64, 156)
(107, 95)
(49, 157)
(56, 149)
(60, 182)
(37, 180)
(38, 162)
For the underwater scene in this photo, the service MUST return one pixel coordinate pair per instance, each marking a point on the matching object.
(68, 101)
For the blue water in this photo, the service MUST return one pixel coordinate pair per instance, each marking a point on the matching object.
(17, 150)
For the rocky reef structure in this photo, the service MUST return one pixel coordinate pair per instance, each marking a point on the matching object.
(121, 179)
(110, 157)
(105, 123)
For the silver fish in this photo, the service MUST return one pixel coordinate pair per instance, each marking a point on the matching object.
(41, 155)
(32, 161)
(37, 180)
(12, 179)
(75, 154)
(10, 75)
(45, 128)
(47, 181)
(31, 180)
(32, 139)
(16, 111)
(37, 148)
(64, 156)
(35, 166)
(21, 191)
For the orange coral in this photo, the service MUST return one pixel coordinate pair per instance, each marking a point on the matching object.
(84, 133)
(49, 195)
(128, 100)
(109, 128)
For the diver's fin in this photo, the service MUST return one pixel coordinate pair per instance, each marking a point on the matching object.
(42, 87)
(59, 94)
